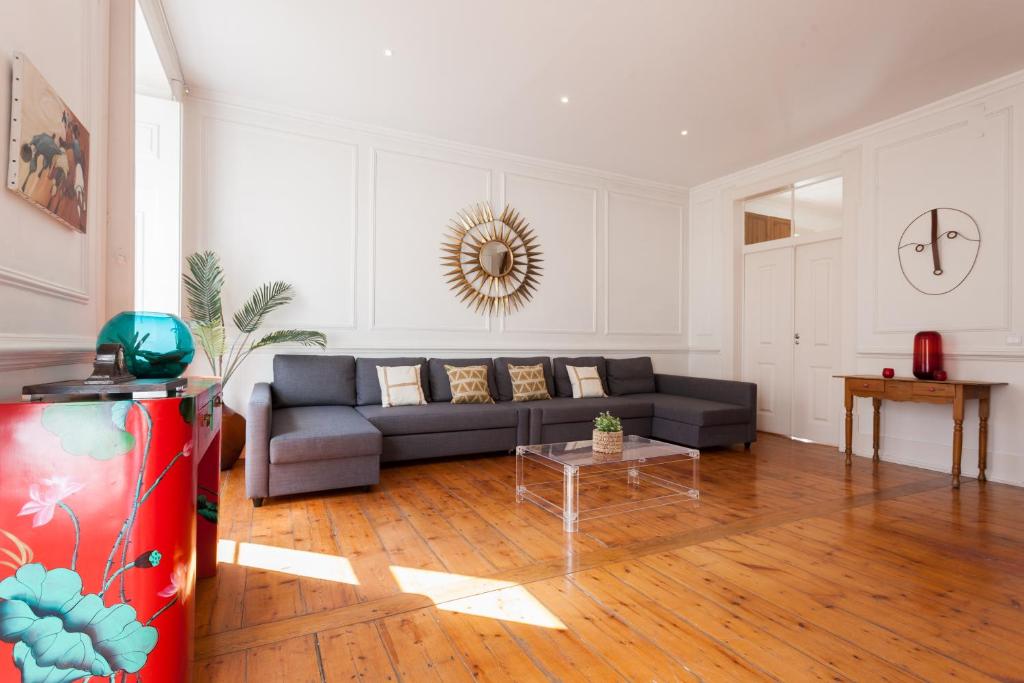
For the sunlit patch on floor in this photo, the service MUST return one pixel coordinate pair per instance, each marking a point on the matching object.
(287, 560)
(483, 597)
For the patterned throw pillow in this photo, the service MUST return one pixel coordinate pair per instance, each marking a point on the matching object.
(400, 386)
(586, 383)
(528, 383)
(469, 384)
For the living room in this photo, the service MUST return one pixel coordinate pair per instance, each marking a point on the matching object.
(573, 341)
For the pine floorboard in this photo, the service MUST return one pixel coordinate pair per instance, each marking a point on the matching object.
(790, 567)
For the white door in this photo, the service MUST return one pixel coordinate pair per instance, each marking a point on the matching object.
(157, 204)
(768, 335)
(816, 332)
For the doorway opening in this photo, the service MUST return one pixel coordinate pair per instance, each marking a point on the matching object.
(792, 299)
(157, 178)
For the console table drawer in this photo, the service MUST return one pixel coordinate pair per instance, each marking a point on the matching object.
(934, 389)
(875, 385)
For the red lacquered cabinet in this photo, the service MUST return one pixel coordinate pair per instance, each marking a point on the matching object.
(108, 512)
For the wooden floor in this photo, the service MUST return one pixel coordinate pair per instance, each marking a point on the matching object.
(791, 568)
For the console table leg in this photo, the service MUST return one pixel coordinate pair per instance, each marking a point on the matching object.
(958, 434)
(876, 403)
(849, 427)
(983, 407)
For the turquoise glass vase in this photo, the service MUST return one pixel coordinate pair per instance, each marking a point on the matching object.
(156, 345)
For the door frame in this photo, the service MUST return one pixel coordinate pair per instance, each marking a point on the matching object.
(847, 165)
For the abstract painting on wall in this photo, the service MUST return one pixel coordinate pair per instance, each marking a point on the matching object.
(49, 160)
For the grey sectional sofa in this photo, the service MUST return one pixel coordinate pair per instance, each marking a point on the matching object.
(320, 424)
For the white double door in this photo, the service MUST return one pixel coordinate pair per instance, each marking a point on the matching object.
(791, 345)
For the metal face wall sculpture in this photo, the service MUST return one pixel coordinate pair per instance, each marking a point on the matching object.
(939, 249)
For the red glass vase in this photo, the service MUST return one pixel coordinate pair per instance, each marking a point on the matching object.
(927, 354)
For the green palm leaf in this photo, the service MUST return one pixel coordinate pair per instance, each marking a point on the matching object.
(303, 337)
(269, 297)
(203, 285)
(212, 338)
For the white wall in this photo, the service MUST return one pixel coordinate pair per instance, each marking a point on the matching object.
(52, 279)
(354, 218)
(964, 152)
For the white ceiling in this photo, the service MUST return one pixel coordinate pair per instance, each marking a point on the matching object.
(749, 79)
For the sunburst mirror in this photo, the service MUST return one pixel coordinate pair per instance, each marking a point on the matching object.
(491, 262)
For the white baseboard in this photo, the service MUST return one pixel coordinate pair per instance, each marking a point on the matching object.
(1003, 467)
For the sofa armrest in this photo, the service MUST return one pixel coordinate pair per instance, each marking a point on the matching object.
(258, 422)
(721, 390)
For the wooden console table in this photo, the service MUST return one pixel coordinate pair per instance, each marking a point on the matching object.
(922, 391)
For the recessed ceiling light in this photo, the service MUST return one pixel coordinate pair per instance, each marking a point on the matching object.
(565, 99)
(388, 52)
(684, 132)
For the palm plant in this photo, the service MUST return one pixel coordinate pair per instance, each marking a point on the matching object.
(203, 285)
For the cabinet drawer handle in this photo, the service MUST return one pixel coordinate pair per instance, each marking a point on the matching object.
(931, 388)
(866, 385)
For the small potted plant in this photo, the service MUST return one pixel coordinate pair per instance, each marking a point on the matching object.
(607, 433)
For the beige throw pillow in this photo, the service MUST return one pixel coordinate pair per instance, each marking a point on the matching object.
(528, 383)
(469, 384)
(586, 383)
(400, 386)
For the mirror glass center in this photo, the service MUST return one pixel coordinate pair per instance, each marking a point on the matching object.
(496, 258)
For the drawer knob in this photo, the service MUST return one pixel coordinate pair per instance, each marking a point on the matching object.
(866, 385)
(931, 388)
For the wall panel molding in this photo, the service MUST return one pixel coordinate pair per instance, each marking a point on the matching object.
(38, 285)
(372, 237)
(285, 132)
(681, 269)
(27, 351)
(595, 264)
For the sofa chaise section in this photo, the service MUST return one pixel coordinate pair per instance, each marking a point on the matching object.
(701, 412)
(303, 432)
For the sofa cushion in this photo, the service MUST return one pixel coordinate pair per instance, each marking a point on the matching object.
(469, 383)
(586, 382)
(630, 376)
(528, 382)
(309, 433)
(400, 385)
(562, 410)
(368, 384)
(440, 417)
(694, 411)
(504, 381)
(563, 387)
(440, 386)
(308, 380)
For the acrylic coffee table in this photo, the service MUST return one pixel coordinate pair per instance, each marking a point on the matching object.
(645, 474)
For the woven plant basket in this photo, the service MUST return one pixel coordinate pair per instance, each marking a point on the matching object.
(607, 442)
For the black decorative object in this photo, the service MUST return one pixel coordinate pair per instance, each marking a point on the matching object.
(109, 366)
(939, 249)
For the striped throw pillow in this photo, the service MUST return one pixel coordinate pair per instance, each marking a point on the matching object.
(528, 383)
(469, 384)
